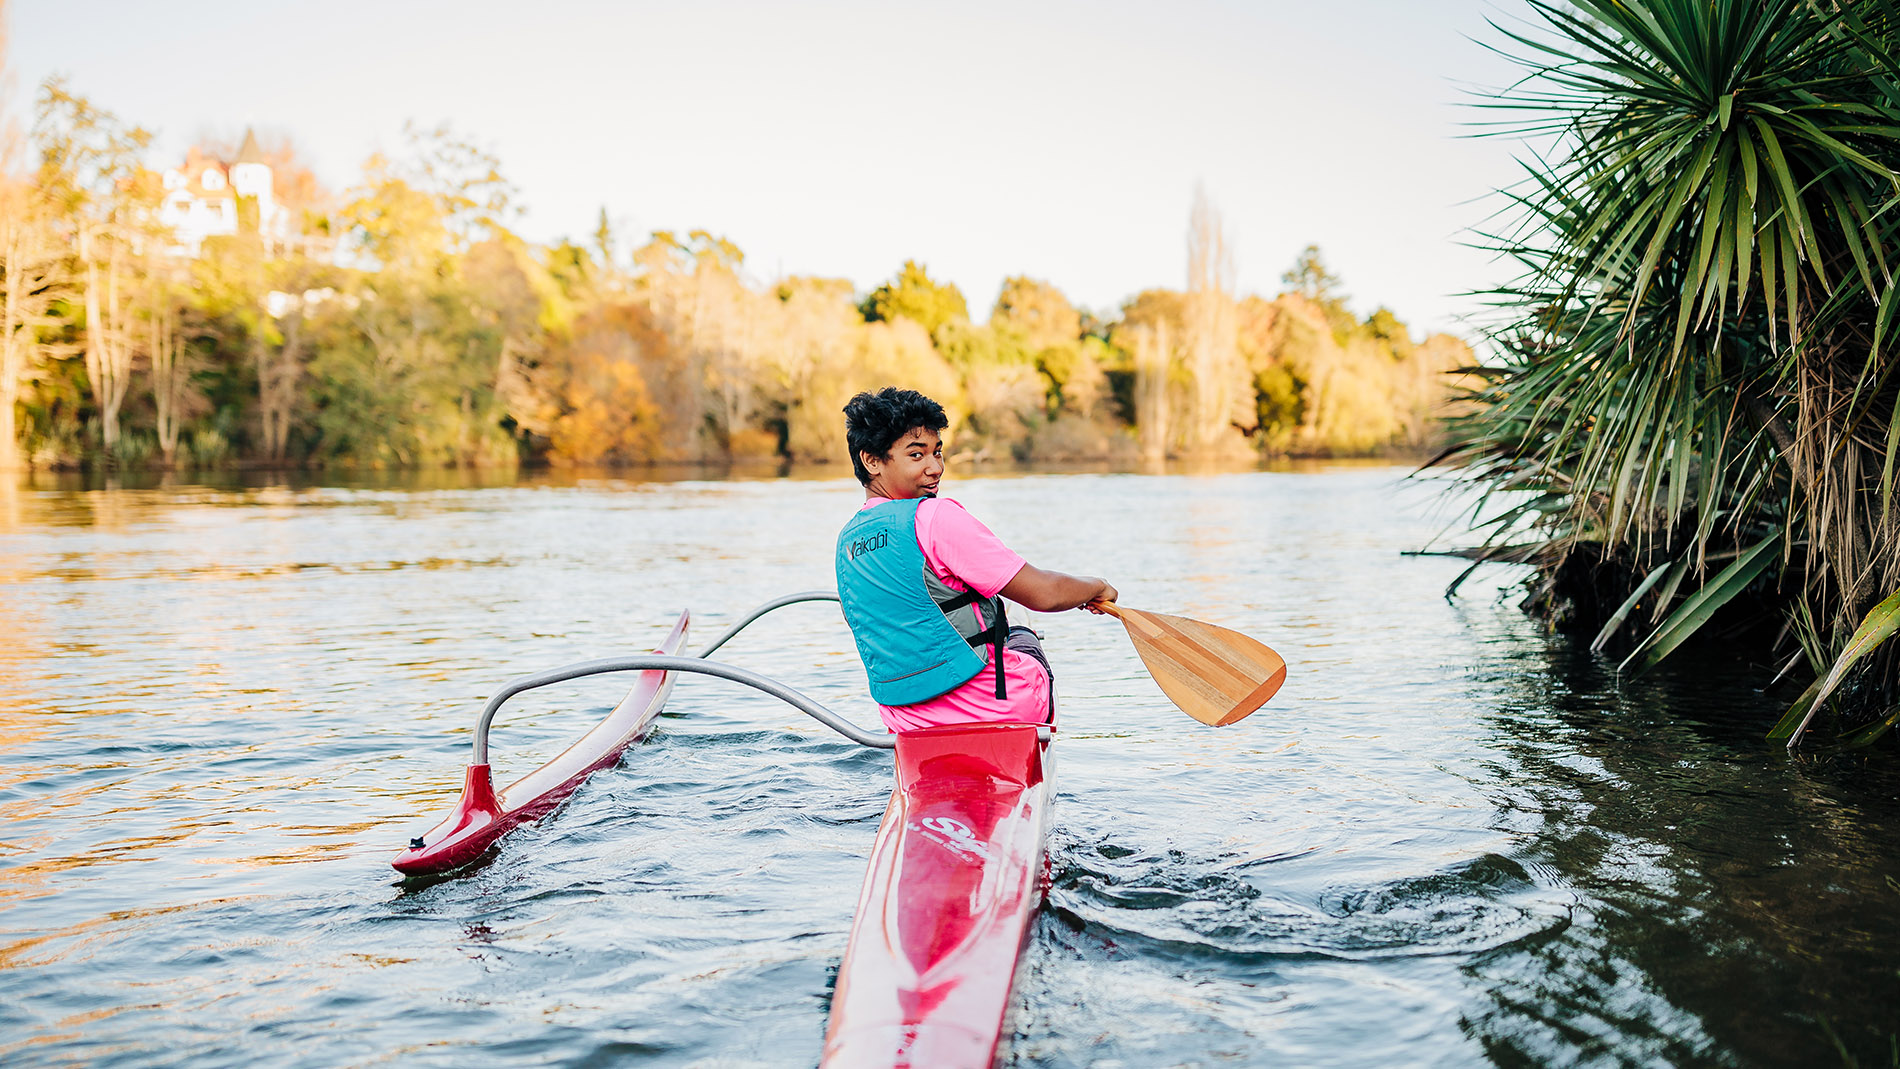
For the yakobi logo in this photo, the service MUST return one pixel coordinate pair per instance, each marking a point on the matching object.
(867, 544)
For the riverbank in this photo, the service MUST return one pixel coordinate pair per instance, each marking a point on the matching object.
(76, 478)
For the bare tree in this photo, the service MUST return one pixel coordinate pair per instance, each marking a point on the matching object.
(170, 371)
(108, 346)
(1153, 354)
(278, 369)
(1212, 342)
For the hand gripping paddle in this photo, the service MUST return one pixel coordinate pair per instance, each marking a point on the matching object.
(1215, 675)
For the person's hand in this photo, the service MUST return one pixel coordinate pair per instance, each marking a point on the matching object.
(1108, 593)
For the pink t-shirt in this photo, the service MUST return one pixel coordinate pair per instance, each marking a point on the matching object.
(966, 556)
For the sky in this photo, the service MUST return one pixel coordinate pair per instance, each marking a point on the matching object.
(1059, 140)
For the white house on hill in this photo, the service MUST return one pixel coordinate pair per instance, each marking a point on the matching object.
(208, 197)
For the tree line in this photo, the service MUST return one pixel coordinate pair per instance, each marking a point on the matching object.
(403, 322)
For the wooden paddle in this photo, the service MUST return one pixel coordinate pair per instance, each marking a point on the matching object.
(1215, 675)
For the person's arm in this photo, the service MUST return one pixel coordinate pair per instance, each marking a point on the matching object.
(1043, 591)
(974, 555)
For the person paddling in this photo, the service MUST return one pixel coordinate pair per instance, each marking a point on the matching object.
(922, 582)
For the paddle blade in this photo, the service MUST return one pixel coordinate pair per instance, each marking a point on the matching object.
(1215, 675)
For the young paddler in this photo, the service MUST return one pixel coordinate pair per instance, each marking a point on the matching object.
(923, 582)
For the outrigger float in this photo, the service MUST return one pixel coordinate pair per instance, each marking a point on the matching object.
(956, 875)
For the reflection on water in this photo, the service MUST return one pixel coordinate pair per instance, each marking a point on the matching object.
(223, 708)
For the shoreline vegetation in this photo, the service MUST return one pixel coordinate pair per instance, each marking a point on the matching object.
(226, 311)
(1691, 420)
(240, 477)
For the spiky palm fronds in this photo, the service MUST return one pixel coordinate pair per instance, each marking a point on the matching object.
(1695, 367)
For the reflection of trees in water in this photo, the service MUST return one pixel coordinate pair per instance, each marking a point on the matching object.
(1729, 897)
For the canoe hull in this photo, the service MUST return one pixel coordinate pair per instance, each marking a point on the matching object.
(955, 879)
(482, 816)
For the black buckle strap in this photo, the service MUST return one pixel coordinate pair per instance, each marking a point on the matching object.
(963, 600)
(1000, 631)
(991, 636)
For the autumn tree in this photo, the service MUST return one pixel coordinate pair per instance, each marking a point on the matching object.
(1037, 312)
(1050, 329)
(229, 326)
(32, 275)
(516, 302)
(816, 327)
(33, 278)
(724, 329)
(596, 378)
(473, 201)
(1222, 399)
(698, 295)
(1320, 387)
(823, 351)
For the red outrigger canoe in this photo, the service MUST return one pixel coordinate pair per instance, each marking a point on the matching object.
(956, 876)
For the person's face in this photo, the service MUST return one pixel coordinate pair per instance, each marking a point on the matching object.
(913, 469)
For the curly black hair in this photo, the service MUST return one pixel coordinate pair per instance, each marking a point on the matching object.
(873, 422)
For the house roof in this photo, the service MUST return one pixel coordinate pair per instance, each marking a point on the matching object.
(249, 152)
(196, 164)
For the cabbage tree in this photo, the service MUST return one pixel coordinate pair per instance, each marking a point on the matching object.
(1694, 390)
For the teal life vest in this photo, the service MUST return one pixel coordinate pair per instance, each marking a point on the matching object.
(917, 637)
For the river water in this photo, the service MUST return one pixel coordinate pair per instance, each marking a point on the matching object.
(1450, 840)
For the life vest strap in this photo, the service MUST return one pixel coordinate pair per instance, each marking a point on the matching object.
(992, 636)
(999, 631)
(968, 597)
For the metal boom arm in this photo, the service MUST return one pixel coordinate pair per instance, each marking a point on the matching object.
(646, 662)
(775, 603)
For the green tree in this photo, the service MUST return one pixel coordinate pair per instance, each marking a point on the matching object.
(1310, 278)
(966, 345)
(915, 296)
(406, 367)
(250, 404)
(1386, 327)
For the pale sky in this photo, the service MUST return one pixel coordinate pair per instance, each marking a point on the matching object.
(1058, 140)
